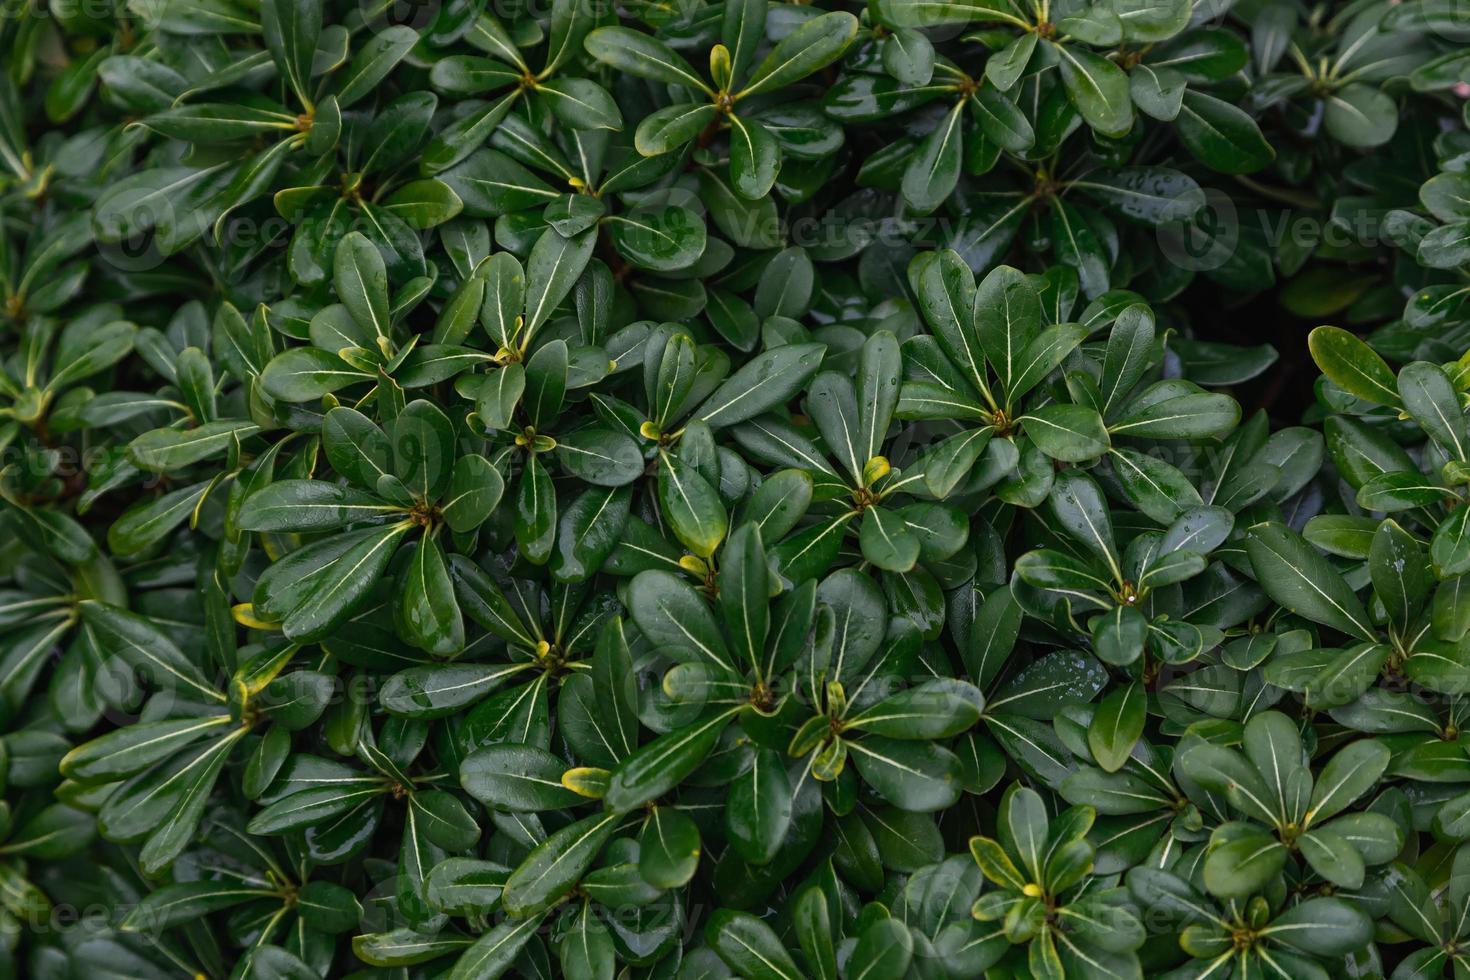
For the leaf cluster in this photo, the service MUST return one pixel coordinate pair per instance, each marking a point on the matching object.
(734, 489)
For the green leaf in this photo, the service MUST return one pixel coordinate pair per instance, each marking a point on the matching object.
(309, 806)
(908, 56)
(82, 353)
(1077, 505)
(663, 240)
(1244, 865)
(814, 45)
(1155, 487)
(1361, 116)
(517, 778)
(1430, 398)
(934, 709)
(214, 122)
(916, 776)
(174, 904)
(670, 128)
(642, 56)
(1447, 196)
(464, 886)
(168, 450)
(471, 75)
(755, 157)
(53, 833)
(1152, 196)
(691, 506)
(555, 865)
(436, 690)
(1300, 579)
(668, 848)
(745, 593)
(1117, 726)
(1193, 415)
(741, 31)
(1222, 136)
(586, 949)
(1008, 309)
(812, 923)
(758, 809)
(424, 204)
(488, 958)
(405, 947)
(1046, 569)
(505, 297)
(581, 103)
(886, 540)
(329, 907)
(423, 444)
(443, 820)
(1400, 571)
(1353, 366)
(291, 29)
(428, 616)
(588, 532)
(766, 381)
(311, 505)
(1324, 926)
(749, 946)
(141, 745)
(1070, 433)
(356, 447)
(304, 374)
(343, 583)
(1350, 773)
(1157, 91)
(552, 270)
(360, 279)
(934, 169)
(373, 61)
(1002, 121)
(176, 832)
(600, 456)
(660, 765)
(671, 614)
(1098, 88)
(475, 488)
(143, 647)
(949, 463)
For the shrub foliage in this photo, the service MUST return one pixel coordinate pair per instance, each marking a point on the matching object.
(733, 488)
